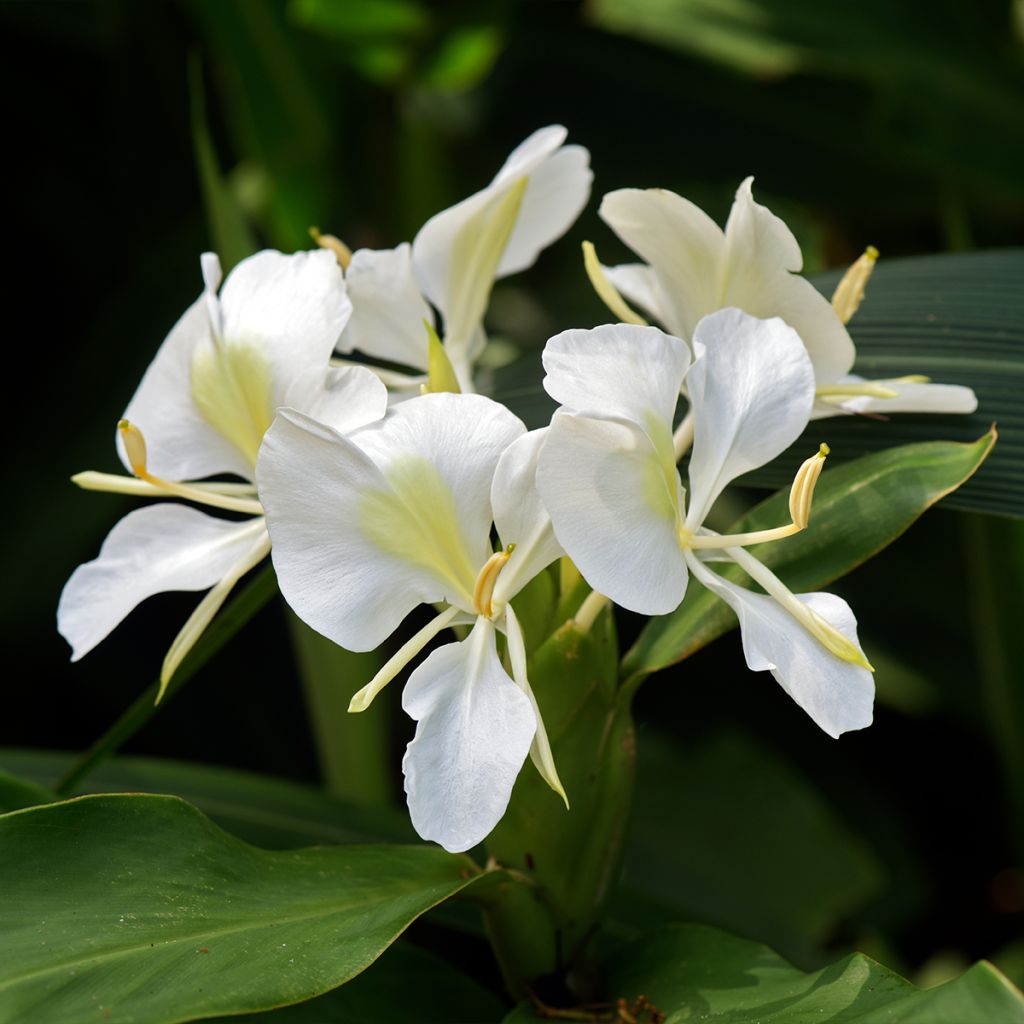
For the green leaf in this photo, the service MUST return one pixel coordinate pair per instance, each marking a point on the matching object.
(229, 230)
(139, 909)
(406, 984)
(693, 972)
(261, 809)
(17, 792)
(859, 508)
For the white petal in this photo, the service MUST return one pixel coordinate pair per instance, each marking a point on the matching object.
(344, 546)
(911, 396)
(387, 308)
(295, 306)
(520, 515)
(617, 370)
(151, 550)
(344, 398)
(751, 392)
(181, 443)
(837, 694)
(613, 501)
(475, 730)
(762, 260)
(640, 287)
(683, 245)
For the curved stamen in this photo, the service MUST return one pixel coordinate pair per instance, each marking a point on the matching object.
(849, 293)
(606, 291)
(488, 576)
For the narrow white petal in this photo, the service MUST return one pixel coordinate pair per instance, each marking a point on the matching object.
(151, 550)
(911, 396)
(751, 392)
(614, 500)
(343, 397)
(762, 261)
(684, 247)
(837, 694)
(520, 515)
(475, 728)
(540, 750)
(387, 308)
(619, 370)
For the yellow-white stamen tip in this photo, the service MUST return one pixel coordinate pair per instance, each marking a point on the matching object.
(134, 447)
(833, 641)
(606, 291)
(440, 373)
(849, 293)
(342, 253)
(483, 592)
(802, 492)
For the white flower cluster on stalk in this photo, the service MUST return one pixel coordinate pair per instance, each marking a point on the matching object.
(372, 506)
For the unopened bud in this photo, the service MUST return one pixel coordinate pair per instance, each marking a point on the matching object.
(802, 492)
(342, 253)
(134, 447)
(849, 293)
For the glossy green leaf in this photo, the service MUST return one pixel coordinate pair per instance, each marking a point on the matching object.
(261, 809)
(693, 972)
(139, 909)
(17, 792)
(859, 508)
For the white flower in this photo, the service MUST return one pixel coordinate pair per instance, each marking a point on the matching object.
(607, 474)
(367, 527)
(459, 253)
(202, 409)
(694, 268)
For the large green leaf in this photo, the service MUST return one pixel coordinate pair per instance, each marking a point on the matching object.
(139, 909)
(859, 508)
(691, 972)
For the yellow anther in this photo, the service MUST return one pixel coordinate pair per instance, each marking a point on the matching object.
(134, 447)
(858, 389)
(802, 492)
(342, 253)
(849, 293)
(484, 589)
(606, 291)
(830, 638)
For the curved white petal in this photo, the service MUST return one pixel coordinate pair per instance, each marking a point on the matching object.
(751, 392)
(614, 500)
(344, 398)
(911, 396)
(293, 306)
(387, 308)
(520, 515)
(683, 245)
(345, 547)
(151, 550)
(181, 443)
(475, 727)
(618, 370)
(837, 694)
(762, 260)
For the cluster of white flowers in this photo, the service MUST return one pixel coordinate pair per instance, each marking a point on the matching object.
(377, 491)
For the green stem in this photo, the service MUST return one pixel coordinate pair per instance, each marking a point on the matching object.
(248, 602)
(354, 751)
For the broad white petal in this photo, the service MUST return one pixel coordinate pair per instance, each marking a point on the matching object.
(911, 396)
(614, 500)
(837, 694)
(762, 261)
(475, 730)
(640, 287)
(181, 443)
(294, 306)
(440, 452)
(617, 370)
(344, 398)
(387, 308)
(151, 550)
(558, 189)
(683, 245)
(751, 392)
(350, 557)
(520, 515)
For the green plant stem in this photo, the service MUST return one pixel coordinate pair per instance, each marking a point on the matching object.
(142, 709)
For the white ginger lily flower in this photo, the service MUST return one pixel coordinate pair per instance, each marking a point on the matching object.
(202, 409)
(367, 527)
(458, 255)
(608, 476)
(693, 268)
